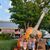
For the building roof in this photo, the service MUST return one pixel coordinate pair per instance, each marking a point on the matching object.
(8, 25)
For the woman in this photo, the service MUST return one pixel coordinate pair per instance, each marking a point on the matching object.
(29, 44)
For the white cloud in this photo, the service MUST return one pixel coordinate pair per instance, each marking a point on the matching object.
(6, 10)
(10, 3)
(4, 19)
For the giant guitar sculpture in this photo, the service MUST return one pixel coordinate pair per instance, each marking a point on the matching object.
(35, 30)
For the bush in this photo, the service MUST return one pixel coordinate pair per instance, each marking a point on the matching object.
(6, 42)
(5, 36)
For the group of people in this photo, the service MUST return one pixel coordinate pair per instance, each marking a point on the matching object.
(34, 42)
(31, 43)
(24, 44)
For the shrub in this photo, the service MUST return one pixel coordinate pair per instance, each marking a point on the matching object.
(5, 36)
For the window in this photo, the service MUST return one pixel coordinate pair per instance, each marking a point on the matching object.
(17, 36)
(0, 29)
(16, 30)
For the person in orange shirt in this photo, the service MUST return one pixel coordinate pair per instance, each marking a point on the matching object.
(20, 42)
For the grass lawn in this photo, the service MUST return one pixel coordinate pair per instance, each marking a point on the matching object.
(7, 44)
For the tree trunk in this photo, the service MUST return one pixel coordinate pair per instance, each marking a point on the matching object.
(25, 26)
(28, 24)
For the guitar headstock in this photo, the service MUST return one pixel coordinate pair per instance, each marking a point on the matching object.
(45, 10)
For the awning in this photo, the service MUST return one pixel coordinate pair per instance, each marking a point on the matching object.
(46, 36)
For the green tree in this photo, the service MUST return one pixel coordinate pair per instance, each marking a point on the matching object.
(27, 13)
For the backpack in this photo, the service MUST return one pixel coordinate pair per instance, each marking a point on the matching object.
(48, 43)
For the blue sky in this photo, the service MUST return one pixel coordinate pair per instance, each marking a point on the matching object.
(4, 12)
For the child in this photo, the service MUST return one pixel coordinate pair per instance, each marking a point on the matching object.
(25, 44)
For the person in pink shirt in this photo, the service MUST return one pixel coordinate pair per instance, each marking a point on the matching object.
(25, 44)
